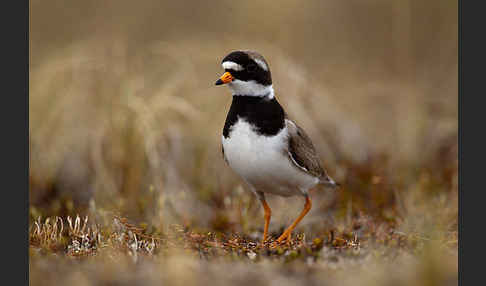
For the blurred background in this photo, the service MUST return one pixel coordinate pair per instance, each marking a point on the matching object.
(125, 118)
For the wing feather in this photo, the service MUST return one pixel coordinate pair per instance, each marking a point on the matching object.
(301, 151)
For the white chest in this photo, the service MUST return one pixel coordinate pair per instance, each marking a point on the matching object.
(263, 161)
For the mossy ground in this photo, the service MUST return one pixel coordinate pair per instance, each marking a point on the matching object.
(125, 129)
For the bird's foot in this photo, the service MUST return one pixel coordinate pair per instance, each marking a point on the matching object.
(265, 241)
(286, 237)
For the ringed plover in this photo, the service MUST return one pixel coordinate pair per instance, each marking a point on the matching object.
(261, 144)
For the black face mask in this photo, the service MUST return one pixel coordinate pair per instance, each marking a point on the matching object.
(251, 70)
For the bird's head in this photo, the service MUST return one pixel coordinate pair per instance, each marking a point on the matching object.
(247, 74)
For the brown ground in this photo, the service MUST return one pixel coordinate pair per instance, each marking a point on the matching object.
(125, 128)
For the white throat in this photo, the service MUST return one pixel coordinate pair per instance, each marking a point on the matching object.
(251, 88)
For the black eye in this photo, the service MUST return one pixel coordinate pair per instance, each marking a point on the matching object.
(251, 68)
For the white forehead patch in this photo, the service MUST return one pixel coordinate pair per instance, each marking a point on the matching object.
(261, 64)
(232, 66)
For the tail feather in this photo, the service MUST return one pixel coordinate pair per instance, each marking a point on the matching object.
(329, 182)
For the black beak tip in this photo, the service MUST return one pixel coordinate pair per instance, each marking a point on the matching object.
(219, 82)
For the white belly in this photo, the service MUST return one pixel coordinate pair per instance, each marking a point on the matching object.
(263, 161)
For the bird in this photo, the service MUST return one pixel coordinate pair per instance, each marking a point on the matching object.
(267, 149)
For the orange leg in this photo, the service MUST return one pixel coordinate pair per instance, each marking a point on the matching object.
(268, 215)
(288, 231)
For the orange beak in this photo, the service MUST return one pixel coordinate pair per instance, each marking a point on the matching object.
(225, 78)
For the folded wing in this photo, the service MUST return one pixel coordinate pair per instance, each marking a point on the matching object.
(301, 151)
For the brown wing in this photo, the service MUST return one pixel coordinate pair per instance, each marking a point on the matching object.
(302, 152)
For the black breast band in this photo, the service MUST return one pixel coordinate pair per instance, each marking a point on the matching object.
(266, 115)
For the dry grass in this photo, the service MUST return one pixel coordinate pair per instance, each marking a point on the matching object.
(125, 127)
(122, 253)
